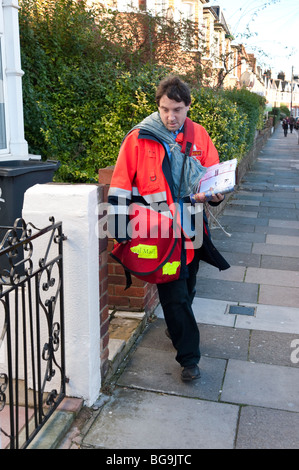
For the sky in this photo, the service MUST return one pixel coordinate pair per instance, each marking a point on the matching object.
(267, 28)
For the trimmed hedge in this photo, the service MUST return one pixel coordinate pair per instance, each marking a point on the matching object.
(225, 122)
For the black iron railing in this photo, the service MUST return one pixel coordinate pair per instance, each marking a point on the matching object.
(32, 350)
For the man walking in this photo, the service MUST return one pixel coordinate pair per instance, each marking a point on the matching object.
(149, 171)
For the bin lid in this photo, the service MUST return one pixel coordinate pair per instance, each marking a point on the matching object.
(19, 167)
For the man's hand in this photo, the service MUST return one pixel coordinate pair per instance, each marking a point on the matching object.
(217, 198)
(201, 197)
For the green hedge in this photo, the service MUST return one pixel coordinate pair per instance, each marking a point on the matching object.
(225, 122)
(81, 98)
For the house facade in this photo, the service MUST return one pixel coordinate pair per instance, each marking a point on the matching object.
(225, 64)
(13, 145)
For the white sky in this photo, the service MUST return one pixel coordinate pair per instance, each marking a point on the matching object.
(273, 27)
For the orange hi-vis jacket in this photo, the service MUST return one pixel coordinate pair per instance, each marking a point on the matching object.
(142, 174)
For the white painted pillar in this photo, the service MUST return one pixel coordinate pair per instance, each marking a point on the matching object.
(17, 143)
(75, 205)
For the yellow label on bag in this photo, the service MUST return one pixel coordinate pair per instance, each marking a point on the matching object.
(145, 251)
(170, 268)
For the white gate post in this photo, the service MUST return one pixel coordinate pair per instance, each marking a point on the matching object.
(75, 205)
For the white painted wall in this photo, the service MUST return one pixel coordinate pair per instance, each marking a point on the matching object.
(76, 206)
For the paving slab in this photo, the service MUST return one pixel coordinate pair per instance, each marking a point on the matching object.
(207, 271)
(232, 245)
(286, 205)
(154, 336)
(283, 240)
(271, 318)
(244, 202)
(279, 262)
(135, 419)
(274, 348)
(275, 295)
(242, 259)
(278, 231)
(275, 250)
(212, 311)
(224, 342)
(265, 385)
(272, 277)
(234, 228)
(248, 194)
(239, 213)
(237, 220)
(261, 428)
(239, 235)
(279, 212)
(227, 290)
(249, 210)
(149, 369)
(283, 224)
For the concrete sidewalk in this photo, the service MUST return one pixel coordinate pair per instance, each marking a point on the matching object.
(248, 394)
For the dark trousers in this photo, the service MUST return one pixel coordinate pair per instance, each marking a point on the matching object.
(176, 300)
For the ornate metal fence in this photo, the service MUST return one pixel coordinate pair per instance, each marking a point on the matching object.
(32, 351)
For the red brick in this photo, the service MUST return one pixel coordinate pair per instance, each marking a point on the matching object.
(103, 272)
(104, 285)
(137, 303)
(118, 301)
(105, 175)
(110, 268)
(104, 341)
(117, 280)
(105, 354)
(118, 269)
(110, 290)
(131, 292)
(104, 328)
(103, 258)
(103, 300)
(104, 315)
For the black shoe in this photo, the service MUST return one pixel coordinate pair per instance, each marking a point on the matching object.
(190, 373)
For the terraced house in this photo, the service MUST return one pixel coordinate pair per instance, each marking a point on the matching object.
(221, 60)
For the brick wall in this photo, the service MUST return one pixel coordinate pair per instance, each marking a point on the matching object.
(104, 307)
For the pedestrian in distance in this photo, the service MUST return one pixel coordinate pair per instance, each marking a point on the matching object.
(291, 122)
(285, 126)
(155, 170)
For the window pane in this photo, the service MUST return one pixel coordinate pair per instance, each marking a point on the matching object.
(2, 110)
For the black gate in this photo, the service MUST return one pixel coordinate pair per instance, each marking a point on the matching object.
(32, 350)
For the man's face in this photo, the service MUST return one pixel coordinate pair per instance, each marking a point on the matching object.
(172, 113)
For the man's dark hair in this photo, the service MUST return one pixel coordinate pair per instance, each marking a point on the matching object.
(175, 89)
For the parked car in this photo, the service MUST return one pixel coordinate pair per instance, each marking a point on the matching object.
(296, 125)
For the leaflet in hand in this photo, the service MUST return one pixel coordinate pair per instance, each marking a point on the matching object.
(219, 178)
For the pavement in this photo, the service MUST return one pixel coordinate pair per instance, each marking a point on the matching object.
(248, 316)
